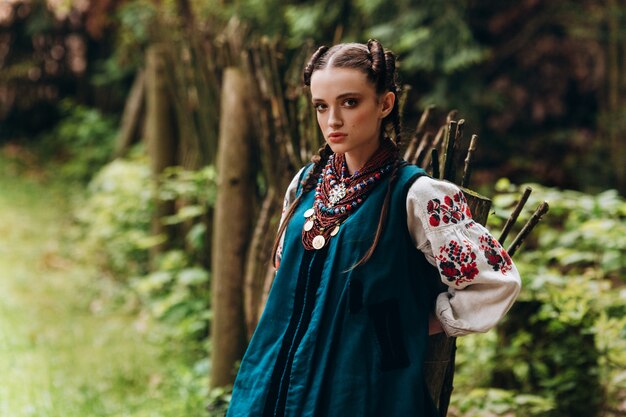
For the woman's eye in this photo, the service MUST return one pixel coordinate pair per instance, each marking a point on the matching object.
(350, 102)
(319, 107)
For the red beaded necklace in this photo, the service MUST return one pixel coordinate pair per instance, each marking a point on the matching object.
(338, 195)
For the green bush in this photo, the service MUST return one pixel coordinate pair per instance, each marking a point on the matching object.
(177, 293)
(115, 224)
(81, 143)
(115, 218)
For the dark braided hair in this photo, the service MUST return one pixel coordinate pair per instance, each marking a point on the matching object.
(379, 66)
(310, 66)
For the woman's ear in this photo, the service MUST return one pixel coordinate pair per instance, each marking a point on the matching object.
(388, 100)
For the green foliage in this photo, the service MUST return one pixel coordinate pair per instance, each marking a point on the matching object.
(81, 143)
(198, 189)
(116, 226)
(177, 290)
(116, 235)
(136, 23)
(115, 223)
(564, 340)
(219, 398)
(177, 293)
(582, 234)
(115, 218)
(194, 193)
(434, 37)
(487, 402)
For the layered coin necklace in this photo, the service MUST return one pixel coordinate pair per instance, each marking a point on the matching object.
(338, 195)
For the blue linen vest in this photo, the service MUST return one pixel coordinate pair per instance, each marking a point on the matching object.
(337, 341)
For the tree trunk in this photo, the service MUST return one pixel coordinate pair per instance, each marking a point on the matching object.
(441, 350)
(161, 136)
(231, 228)
(616, 86)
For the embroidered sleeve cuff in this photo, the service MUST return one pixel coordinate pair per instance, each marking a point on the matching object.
(476, 309)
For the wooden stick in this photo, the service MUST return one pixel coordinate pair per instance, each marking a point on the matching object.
(420, 153)
(435, 162)
(448, 151)
(458, 139)
(134, 111)
(281, 119)
(467, 171)
(460, 128)
(412, 148)
(513, 217)
(425, 141)
(256, 260)
(451, 115)
(421, 125)
(528, 227)
(425, 159)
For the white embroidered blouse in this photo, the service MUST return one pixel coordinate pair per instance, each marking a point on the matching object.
(482, 280)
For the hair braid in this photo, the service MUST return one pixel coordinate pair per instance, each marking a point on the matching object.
(310, 66)
(379, 66)
(391, 84)
(390, 67)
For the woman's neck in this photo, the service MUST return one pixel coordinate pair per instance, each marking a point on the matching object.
(355, 160)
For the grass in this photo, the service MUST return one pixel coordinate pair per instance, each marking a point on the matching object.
(69, 345)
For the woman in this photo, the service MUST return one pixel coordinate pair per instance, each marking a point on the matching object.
(346, 323)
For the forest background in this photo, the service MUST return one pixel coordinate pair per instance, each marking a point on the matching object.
(118, 106)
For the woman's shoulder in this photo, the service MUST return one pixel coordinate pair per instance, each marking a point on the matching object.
(425, 185)
(407, 175)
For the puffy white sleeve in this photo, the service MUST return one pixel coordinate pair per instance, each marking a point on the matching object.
(482, 280)
(290, 196)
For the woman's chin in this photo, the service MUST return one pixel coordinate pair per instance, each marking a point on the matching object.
(336, 147)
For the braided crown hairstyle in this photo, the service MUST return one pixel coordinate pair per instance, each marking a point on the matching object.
(379, 66)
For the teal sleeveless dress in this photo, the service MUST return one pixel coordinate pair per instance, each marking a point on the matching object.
(340, 342)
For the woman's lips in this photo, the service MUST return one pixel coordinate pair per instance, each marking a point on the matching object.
(336, 137)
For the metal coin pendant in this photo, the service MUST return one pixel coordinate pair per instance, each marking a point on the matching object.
(335, 231)
(309, 213)
(308, 225)
(319, 242)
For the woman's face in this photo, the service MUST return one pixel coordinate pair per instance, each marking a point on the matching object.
(349, 111)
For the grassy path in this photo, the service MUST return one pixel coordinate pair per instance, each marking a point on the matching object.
(67, 348)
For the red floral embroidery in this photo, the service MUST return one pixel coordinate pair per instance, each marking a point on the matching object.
(495, 254)
(457, 262)
(452, 210)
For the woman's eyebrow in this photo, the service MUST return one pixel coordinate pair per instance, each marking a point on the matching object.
(344, 95)
(339, 97)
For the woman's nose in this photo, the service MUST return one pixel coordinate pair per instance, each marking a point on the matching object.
(334, 118)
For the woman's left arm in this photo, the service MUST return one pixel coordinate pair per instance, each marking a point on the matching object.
(482, 280)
